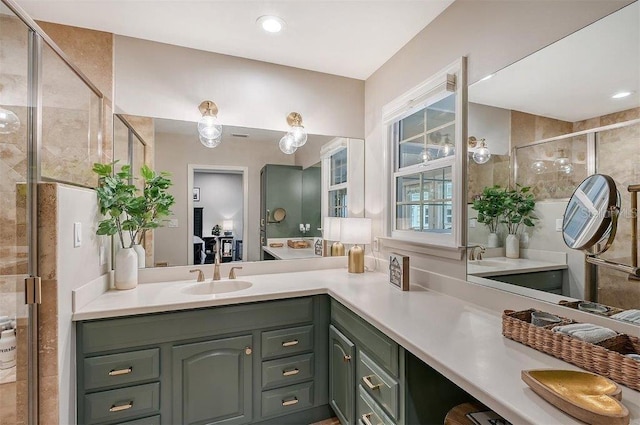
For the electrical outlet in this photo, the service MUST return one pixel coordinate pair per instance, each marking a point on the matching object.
(376, 245)
(77, 234)
(473, 222)
(173, 222)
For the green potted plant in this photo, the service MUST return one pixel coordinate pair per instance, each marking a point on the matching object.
(216, 230)
(490, 207)
(519, 204)
(128, 214)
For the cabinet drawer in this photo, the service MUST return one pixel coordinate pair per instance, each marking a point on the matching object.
(289, 370)
(123, 403)
(368, 412)
(378, 345)
(123, 368)
(153, 420)
(382, 387)
(284, 342)
(289, 399)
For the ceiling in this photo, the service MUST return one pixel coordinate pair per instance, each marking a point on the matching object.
(348, 38)
(574, 78)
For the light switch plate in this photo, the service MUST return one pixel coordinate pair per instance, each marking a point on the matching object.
(173, 222)
(473, 222)
(559, 224)
(77, 234)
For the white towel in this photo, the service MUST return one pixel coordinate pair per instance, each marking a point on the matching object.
(632, 316)
(586, 332)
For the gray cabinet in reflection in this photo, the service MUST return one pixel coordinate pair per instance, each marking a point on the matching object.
(212, 381)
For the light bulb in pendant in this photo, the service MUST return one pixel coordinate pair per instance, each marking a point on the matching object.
(482, 154)
(210, 143)
(208, 126)
(563, 163)
(448, 148)
(538, 167)
(287, 144)
(9, 122)
(297, 131)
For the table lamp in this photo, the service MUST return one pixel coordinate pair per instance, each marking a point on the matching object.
(331, 232)
(356, 231)
(227, 227)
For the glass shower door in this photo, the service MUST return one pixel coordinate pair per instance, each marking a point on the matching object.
(14, 222)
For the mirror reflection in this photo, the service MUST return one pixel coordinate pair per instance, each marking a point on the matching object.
(244, 199)
(549, 121)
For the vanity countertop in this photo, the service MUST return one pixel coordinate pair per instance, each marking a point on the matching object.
(460, 340)
(501, 266)
(286, 253)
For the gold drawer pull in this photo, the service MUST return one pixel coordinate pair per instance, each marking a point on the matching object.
(290, 402)
(367, 381)
(121, 407)
(291, 372)
(346, 358)
(366, 420)
(118, 372)
(290, 343)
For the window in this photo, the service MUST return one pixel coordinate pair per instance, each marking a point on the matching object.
(343, 178)
(338, 184)
(426, 160)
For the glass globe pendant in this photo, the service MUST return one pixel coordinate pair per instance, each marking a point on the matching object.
(447, 148)
(9, 121)
(482, 154)
(538, 167)
(563, 163)
(210, 143)
(287, 144)
(297, 131)
(208, 126)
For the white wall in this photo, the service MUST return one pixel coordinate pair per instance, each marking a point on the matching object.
(164, 81)
(76, 266)
(492, 124)
(221, 196)
(174, 152)
(492, 34)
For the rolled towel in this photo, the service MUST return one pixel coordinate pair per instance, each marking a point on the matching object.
(634, 356)
(632, 316)
(586, 332)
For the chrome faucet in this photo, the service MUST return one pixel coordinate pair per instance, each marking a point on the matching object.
(200, 274)
(472, 252)
(232, 272)
(216, 266)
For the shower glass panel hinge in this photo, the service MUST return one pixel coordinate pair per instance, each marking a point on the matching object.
(33, 290)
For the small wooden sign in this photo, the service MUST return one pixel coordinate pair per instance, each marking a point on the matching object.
(318, 246)
(399, 271)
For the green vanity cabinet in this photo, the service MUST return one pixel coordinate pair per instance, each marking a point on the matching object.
(341, 375)
(212, 381)
(263, 362)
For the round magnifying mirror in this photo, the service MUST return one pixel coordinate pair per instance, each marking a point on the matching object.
(591, 215)
(279, 214)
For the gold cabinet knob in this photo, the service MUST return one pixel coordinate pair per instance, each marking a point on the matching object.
(248, 351)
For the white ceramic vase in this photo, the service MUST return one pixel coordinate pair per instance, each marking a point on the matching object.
(492, 240)
(512, 246)
(126, 273)
(141, 255)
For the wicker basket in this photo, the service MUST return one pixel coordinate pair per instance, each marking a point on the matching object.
(606, 358)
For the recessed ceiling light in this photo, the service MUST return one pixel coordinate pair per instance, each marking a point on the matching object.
(487, 77)
(622, 94)
(271, 24)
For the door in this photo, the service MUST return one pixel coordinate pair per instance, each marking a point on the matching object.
(342, 389)
(212, 382)
(18, 330)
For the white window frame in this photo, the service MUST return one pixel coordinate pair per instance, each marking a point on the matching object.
(355, 175)
(450, 80)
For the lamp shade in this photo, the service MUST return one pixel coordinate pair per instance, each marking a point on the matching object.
(355, 230)
(331, 228)
(227, 225)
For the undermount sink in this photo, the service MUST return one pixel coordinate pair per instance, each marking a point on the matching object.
(488, 263)
(216, 287)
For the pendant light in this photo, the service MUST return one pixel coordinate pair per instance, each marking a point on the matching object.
(563, 163)
(539, 167)
(9, 121)
(287, 144)
(209, 129)
(482, 154)
(297, 131)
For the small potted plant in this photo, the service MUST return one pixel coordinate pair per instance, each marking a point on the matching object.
(519, 204)
(490, 207)
(216, 230)
(129, 214)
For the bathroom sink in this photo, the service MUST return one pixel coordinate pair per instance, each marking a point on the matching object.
(488, 263)
(216, 287)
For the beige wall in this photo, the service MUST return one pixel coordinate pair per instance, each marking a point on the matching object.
(175, 152)
(492, 34)
(163, 81)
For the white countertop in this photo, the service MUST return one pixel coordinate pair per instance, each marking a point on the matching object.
(460, 340)
(501, 266)
(286, 253)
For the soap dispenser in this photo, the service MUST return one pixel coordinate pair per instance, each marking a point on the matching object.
(7, 349)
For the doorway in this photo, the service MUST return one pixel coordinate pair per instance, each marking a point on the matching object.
(218, 214)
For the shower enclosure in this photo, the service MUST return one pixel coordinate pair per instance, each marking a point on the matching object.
(51, 127)
(554, 167)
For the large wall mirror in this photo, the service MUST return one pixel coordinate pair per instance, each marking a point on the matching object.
(566, 112)
(244, 199)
